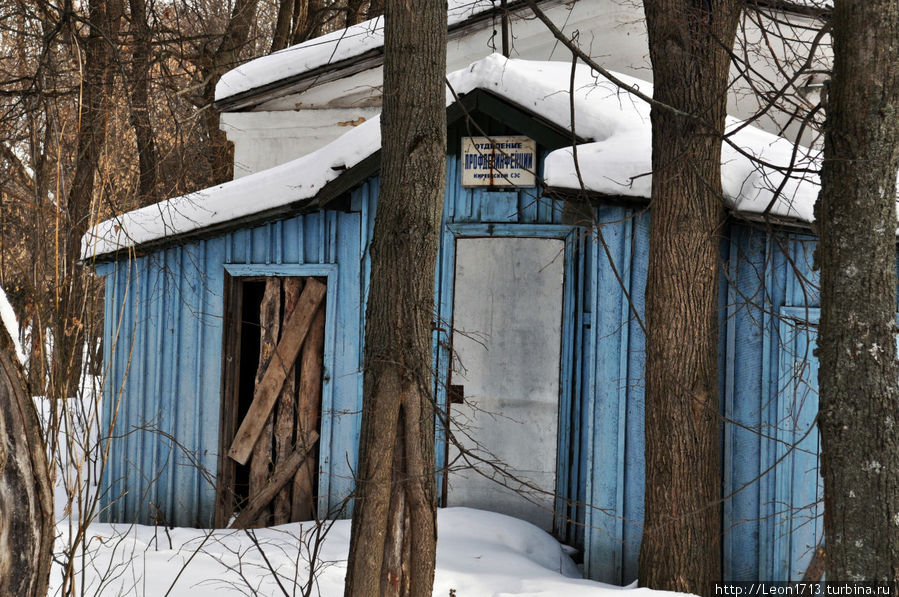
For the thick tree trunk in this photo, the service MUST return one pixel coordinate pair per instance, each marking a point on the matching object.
(688, 42)
(856, 216)
(26, 498)
(397, 403)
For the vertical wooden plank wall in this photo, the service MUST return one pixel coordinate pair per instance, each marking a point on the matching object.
(767, 274)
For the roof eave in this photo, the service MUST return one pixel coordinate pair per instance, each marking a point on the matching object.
(347, 67)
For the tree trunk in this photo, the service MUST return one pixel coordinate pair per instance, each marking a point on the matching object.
(26, 496)
(226, 56)
(397, 401)
(140, 102)
(71, 299)
(856, 215)
(688, 42)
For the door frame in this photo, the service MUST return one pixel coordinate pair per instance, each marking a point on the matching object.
(442, 343)
(228, 426)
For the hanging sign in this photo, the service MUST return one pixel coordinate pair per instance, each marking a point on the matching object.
(498, 162)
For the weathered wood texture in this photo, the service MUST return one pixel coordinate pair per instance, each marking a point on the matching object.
(284, 472)
(856, 217)
(689, 44)
(26, 502)
(399, 317)
(285, 418)
(308, 409)
(231, 336)
(269, 388)
(269, 328)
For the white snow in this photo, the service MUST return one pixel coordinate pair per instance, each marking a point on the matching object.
(479, 554)
(616, 162)
(8, 316)
(327, 49)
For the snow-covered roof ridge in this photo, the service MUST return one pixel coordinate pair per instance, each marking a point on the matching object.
(616, 161)
(327, 49)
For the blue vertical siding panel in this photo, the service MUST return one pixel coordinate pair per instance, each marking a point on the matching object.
(278, 248)
(588, 389)
(347, 402)
(603, 560)
(441, 338)
(312, 238)
(209, 392)
(290, 231)
(768, 273)
(566, 467)
(135, 501)
(634, 437)
(114, 338)
(239, 242)
(153, 408)
(574, 490)
(527, 206)
(191, 273)
(498, 206)
(173, 367)
(743, 384)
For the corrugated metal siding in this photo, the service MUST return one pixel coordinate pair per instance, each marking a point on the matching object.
(164, 363)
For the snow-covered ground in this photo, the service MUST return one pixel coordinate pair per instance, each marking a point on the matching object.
(479, 554)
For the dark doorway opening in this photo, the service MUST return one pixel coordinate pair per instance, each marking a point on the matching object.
(271, 400)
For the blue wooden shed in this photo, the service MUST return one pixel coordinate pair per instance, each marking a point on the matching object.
(539, 283)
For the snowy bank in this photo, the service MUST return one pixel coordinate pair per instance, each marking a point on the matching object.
(479, 554)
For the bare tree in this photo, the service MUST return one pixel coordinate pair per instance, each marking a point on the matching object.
(26, 496)
(394, 534)
(856, 214)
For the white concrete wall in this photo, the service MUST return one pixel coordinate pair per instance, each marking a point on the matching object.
(266, 139)
(611, 31)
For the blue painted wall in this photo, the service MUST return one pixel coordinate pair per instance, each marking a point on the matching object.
(164, 342)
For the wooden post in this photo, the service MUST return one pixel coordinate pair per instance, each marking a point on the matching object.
(308, 408)
(285, 417)
(224, 500)
(269, 324)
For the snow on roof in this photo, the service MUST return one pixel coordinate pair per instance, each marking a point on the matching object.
(616, 162)
(327, 49)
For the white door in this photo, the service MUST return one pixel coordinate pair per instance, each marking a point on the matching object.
(507, 330)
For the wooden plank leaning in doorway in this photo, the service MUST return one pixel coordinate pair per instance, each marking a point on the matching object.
(276, 443)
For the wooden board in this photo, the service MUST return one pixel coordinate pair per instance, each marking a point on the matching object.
(270, 387)
(224, 497)
(269, 327)
(285, 415)
(308, 409)
(279, 478)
